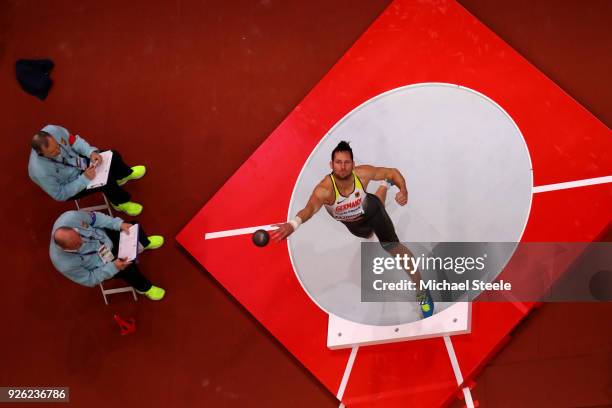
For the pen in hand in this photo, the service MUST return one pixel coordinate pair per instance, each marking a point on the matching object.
(90, 172)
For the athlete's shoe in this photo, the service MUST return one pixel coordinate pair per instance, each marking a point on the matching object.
(155, 241)
(130, 208)
(426, 304)
(137, 172)
(388, 183)
(154, 293)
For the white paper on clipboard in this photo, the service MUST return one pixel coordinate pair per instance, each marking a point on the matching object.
(102, 171)
(128, 244)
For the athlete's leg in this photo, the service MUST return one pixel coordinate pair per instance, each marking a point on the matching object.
(383, 227)
(376, 217)
(359, 229)
(381, 193)
(423, 296)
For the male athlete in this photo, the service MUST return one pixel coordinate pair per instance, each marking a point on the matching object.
(343, 193)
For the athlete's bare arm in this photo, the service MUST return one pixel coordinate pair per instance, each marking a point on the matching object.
(322, 194)
(367, 173)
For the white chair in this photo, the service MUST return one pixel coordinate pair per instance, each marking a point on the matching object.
(106, 207)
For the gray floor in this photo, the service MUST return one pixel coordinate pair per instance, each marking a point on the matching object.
(468, 174)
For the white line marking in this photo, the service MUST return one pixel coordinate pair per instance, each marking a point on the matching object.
(453, 359)
(572, 184)
(516, 303)
(535, 189)
(240, 231)
(469, 403)
(467, 396)
(347, 374)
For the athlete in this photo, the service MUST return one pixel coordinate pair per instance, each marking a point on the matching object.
(343, 193)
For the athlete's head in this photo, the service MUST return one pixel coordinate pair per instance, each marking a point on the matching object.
(342, 161)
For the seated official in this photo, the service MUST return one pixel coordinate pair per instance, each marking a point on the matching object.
(84, 248)
(62, 164)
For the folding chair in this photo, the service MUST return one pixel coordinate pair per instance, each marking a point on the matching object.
(106, 207)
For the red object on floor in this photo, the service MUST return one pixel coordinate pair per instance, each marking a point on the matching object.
(412, 42)
(127, 326)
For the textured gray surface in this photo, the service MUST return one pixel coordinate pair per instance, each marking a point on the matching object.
(468, 174)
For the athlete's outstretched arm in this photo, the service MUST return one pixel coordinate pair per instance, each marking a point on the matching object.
(385, 173)
(315, 202)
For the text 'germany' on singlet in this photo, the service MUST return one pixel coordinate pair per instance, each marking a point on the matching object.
(347, 208)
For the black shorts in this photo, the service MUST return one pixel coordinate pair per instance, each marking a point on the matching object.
(375, 220)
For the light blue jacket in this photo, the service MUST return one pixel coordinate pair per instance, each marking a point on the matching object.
(85, 266)
(59, 181)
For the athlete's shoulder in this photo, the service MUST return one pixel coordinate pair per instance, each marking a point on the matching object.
(362, 167)
(325, 185)
(363, 170)
(325, 189)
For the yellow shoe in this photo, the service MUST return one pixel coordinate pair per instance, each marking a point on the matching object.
(155, 241)
(130, 208)
(137, 172)
(154, 293)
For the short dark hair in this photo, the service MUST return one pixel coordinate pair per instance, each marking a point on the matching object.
(40, 140)
(342, 147)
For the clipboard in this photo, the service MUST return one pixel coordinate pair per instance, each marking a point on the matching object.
(102, 171)
(128, 244)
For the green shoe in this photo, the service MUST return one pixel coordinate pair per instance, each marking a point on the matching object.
(426, 304)
(154, 293)
(137, 172)
(155, 241)
(130, 208)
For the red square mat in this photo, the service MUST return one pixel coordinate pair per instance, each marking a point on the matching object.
(411, 42)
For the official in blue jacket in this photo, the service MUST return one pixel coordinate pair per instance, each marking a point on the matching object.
(62, 164)
(84, 248)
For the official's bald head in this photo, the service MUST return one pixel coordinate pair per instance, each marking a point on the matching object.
(44, 144)
(67, 238)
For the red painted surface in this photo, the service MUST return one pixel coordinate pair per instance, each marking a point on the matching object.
(410, 43)
(176, 79)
